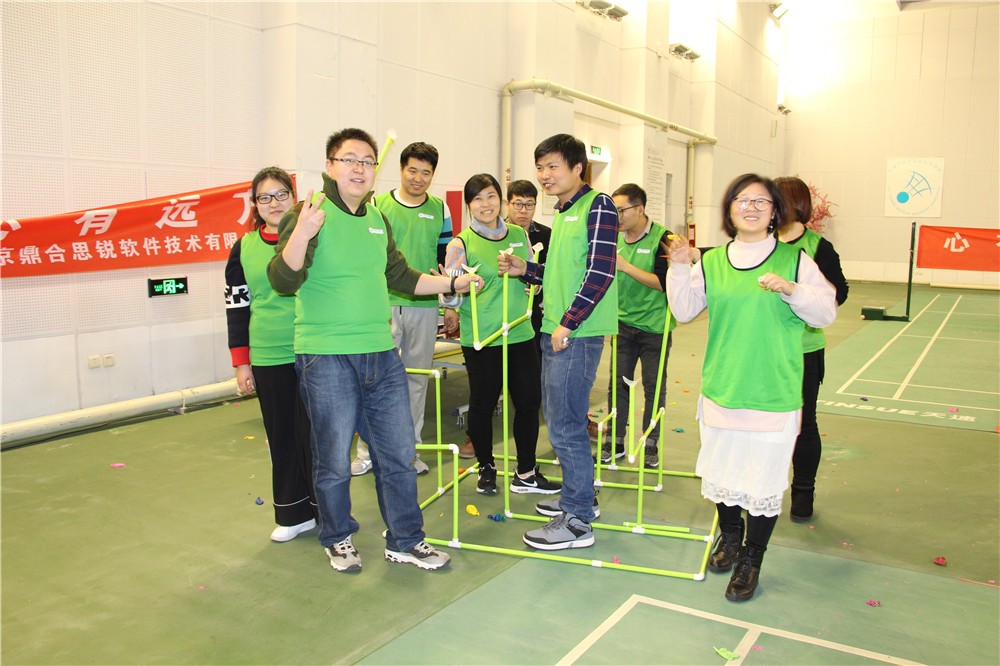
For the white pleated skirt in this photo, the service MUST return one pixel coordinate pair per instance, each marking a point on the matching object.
(747, 468)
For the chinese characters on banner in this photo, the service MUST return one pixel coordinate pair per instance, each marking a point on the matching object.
(186, 228)
(959, 248)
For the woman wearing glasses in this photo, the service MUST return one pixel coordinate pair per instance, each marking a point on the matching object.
(760, 294)
(479, 246)
(260, 343)
(808, 447)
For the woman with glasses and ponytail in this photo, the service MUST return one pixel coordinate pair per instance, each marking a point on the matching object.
(260, 323)
(760, 294)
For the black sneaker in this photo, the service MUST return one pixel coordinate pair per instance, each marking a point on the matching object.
(536, 483)
(487, 480)
(551, 508)
(606, 454)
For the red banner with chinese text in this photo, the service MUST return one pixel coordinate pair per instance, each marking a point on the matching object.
(185, 228)
(959, 248)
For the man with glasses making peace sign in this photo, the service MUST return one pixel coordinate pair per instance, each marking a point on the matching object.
(337, 254)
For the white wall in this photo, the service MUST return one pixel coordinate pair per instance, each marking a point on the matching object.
(874, 83)
(111, 102)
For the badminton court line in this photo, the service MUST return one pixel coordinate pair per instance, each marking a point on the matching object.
(925, 386)
(887, 345)
(927, 349)
(753, 633)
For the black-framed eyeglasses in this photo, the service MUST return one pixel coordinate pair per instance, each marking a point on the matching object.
(523, 206)
(351, 161)
(758, 204)
(280, 195)
(622, 210)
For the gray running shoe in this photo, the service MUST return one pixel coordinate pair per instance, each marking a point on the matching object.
(421, 555)
(344, 556)
(652, 458)
(420, 466)
(562, 532)
(550, 507)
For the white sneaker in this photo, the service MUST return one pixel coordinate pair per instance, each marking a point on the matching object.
(421, 555)
(360, 466)
(284, 533)
(420, 466)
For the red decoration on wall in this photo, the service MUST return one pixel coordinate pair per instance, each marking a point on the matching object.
(192, 227)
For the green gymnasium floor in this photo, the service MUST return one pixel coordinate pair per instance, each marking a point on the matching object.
(166, 560)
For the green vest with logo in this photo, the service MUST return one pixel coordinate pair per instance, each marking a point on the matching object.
(753, 358)
(638, 305)
(271, 314)
(489, 301)
(812, 338)
(343, 306)
(416, 231)
(565, 266)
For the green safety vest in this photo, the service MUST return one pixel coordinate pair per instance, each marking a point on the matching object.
(416, 231)
(343, 306)
(489, 301)
(565, 266)
(638, 305)
(271, 314)
(753, 358)
(812, 338)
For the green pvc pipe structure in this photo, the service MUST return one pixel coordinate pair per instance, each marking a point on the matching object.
(637, 527)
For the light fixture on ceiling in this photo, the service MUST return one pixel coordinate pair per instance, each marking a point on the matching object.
(683, 51)
(778, 9)
(604, 8)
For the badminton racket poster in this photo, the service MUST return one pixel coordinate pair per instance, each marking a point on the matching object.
(913, 186)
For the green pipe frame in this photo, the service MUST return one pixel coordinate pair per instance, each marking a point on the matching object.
(638, 527)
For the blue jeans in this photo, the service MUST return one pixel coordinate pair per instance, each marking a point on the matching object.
(364, 393)
(567, 377)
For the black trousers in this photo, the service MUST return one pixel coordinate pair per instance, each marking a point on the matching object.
(287, 428)
(524, 378)
(808, 446)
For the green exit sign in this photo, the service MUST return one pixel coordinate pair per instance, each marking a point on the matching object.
(595, 150)
(167, 286)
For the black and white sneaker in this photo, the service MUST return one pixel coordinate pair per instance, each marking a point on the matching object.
(487, 480)
(607, 455)
(534, 484)
(422, 555)
(550, 507)
(344, 556)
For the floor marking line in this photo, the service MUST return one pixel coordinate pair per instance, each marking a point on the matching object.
(886, 346)
(604, 627)
(926, 386)
(990, 342)
(921, 402)
(781, 633)
(743, 648)
(927, 349)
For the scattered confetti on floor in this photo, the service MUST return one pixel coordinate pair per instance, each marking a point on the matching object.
(873, 603)
(953, 410)
(727, 654)
(812, 527)
(615, 560)
(497, 517)
(117, 464)
(940, 561)
(249, 437)
(258, 501)
(864, 398)
(201, 587)
(471, 510)
(678, 429)
(756, 648)
(685, 390)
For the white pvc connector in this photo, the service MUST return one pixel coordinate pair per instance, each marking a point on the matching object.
(435, 373)
(596, 563)
(455, 543)
(638, 530)
(699, 576)
(477, 346)
(454, 447)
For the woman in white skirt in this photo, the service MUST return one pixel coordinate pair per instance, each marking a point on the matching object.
(760, 294)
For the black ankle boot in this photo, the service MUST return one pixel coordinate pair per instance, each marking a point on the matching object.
(727, 545)
(802, 504)
(743, 583)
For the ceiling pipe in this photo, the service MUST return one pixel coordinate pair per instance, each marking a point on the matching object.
(546, 86)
